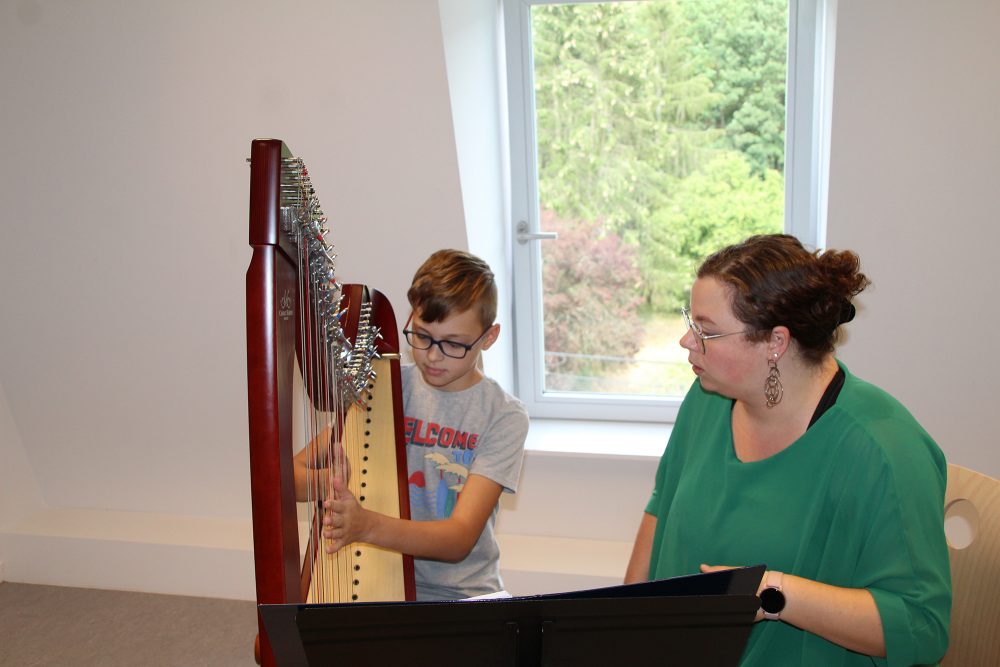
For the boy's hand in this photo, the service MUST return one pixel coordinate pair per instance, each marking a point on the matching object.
(339, 465)
(315, 465)
(344, 520)
(341, 462)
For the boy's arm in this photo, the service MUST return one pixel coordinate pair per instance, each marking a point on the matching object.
(309, 474)
(448, 539)
(310, 466)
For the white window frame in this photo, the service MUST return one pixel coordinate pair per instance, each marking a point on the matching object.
(808, 92)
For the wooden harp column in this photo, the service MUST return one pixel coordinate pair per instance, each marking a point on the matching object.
(280, 308)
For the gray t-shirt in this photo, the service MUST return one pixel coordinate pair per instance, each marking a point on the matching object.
(450, 435)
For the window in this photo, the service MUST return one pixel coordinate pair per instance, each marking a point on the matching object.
(644, 135)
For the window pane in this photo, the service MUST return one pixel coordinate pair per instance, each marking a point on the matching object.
(660, 138)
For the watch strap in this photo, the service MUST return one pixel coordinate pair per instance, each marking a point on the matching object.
(773, 586)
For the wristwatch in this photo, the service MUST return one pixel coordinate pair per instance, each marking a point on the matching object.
(772, 600)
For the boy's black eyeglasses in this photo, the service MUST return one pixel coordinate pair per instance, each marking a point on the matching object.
(449, 348)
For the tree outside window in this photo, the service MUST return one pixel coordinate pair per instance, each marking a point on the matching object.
(660, 137)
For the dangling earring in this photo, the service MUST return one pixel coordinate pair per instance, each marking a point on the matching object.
(773, 390)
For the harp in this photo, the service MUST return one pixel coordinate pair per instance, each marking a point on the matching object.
(334, 349)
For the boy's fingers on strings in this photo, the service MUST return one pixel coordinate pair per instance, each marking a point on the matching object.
(341, 462)
(333, 532)
(338, 484)
(336, 447)
(328, 489)
(322, 443)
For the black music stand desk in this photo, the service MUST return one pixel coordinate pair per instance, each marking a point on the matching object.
(702, 619)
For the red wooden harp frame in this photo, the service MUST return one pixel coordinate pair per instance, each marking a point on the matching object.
(274, 349)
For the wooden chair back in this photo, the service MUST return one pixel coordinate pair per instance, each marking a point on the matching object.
(972, 523)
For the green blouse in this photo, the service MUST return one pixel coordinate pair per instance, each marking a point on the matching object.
(857, 501)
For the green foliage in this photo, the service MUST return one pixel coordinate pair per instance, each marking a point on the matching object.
(742, 46)
(717, 206)
(660, 132)
(616, 99)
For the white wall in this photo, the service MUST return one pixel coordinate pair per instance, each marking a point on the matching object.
(125, 126)
(915, 163)
(125, 129)
(471, 42)
(19, 492)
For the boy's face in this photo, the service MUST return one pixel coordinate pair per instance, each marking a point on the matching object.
(444, 372)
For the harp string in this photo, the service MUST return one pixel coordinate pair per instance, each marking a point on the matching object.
(325, 420)
(337, 375)
(317, 406)
(315, 453)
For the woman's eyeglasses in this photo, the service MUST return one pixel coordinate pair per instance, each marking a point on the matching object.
(698, 333)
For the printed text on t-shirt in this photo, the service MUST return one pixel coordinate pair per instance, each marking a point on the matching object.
(429, 434)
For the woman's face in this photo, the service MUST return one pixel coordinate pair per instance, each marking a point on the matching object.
(730, 365)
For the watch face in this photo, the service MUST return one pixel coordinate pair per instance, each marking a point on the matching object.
(772, 600)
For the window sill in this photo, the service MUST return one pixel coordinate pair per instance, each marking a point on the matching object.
(581, 438)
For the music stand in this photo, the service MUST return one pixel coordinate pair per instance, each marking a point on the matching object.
(702, 619)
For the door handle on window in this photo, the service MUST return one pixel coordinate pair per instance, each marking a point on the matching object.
(523, 235)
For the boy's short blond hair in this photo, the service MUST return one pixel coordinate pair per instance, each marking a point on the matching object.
(453, 281)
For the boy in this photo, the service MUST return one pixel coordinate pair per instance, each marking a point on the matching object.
(464, 438)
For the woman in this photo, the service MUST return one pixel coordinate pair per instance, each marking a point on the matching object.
(780, 456)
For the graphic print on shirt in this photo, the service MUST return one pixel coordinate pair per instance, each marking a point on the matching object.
(445, 465)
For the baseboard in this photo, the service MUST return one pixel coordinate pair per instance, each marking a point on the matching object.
(132, 551)
(212, 557)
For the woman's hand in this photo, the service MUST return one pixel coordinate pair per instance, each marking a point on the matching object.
(760, 586)
(848, 617)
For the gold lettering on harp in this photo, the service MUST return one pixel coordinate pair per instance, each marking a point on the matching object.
(285, 305)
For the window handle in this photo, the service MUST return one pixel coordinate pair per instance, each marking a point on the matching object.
(523, 235)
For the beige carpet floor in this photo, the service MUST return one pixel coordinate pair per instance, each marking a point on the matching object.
(78, 627)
